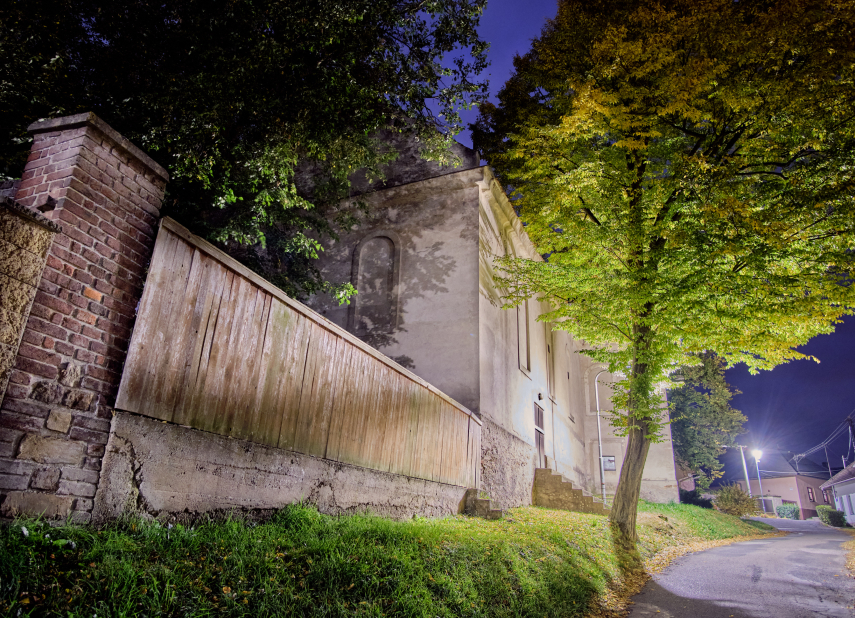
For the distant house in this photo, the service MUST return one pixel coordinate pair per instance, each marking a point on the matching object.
(794, 482)
(842, 488)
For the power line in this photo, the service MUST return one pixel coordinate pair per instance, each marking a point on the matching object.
(845, 425)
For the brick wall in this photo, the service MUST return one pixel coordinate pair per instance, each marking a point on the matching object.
(55, 416)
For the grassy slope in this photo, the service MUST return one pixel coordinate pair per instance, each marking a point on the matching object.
(536, 562)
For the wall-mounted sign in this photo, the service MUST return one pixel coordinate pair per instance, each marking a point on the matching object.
(609, 463)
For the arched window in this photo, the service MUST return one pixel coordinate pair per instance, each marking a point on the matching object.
(375, 276)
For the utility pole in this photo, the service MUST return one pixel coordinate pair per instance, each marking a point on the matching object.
(745, 469)
(828, 462)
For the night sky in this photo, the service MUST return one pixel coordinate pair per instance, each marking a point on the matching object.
(791, 408)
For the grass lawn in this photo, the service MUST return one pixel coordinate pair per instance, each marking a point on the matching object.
(535, 562)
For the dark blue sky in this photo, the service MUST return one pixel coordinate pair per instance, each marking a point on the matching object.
(793, 407)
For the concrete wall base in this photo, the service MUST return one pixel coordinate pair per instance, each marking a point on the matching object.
(155, 469)
(507, 466)
(661, 491)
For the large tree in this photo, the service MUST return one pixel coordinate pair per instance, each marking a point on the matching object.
(686, 167)
(231, 96)
(703, 423)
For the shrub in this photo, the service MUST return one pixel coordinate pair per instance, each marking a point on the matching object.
(693, 497)
(734, 500)
(830, 516)
(788, 511)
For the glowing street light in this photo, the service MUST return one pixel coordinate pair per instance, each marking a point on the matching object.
(757, 455)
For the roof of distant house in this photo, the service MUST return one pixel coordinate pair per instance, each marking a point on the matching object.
(847, 474)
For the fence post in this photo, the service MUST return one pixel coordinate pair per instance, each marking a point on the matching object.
(106, 194)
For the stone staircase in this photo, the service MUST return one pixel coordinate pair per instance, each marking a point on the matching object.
(553, 491)
(481, 507)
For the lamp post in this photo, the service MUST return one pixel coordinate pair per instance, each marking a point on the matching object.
(745, 470)
(757, 455)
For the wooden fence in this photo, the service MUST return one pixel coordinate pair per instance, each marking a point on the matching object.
(220, 349)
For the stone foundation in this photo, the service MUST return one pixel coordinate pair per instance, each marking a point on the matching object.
(157, 468)
(507, 466)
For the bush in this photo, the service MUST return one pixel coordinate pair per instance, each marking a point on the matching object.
(788, 511)
(693, 497)
(734, 500)
(831, 516)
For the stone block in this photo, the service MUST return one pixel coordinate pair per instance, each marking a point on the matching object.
(14, 481)
(78, 399)
(31, 503)
(76, 488)
(24, 234)
(79, 474)
(59, 420)
(18, 264)
(15, 299)
(45, 449)
(46, 479)
(71, 374)
(47, 392)
(7, 361)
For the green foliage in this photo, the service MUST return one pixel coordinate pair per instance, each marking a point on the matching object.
(693, 497)
(702, 421)
(788, 511)
(231, 97)
(831, 516)
(734, 500)
(537, 562)
(687, 168)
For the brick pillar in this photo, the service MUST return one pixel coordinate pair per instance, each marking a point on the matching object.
(54, 420)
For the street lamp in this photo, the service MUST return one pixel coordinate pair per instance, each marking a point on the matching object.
(757, 455)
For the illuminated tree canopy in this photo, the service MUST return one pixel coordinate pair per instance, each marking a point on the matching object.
(687, 169)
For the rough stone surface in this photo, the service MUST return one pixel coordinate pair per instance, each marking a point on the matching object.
(553, 491)
(44, 449)
(48, 505)
(59, 420)
(79, 399)
(47, 392)
(71, 374)
(46, 479)
(507, 466)
(155, 468)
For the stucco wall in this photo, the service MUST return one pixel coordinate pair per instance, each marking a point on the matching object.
(159, 468)
(434, 224)
(792, 489)
(507, 466)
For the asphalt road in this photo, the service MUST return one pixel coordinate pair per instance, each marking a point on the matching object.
(800, 575)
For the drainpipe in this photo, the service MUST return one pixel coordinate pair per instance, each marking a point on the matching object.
(600, 437)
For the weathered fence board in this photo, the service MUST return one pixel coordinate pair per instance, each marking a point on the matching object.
(218, 348)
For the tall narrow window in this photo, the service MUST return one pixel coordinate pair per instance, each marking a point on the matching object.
(539, 436)
(522, 336)
(849, 502)
(811, 497)
(550, 361)
(375, 272)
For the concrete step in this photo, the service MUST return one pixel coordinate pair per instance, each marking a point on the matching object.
(480, 507)
(552, 490)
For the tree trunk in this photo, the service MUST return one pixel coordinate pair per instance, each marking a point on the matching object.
(625, 508)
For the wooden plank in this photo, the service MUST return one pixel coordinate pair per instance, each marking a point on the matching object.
(197, 398)
(427, 447)
(292, 381)
(133, 376)
(473, 455)
(353, 431)
(246, 389)
(144, 353)
(393, 435)
(167, 322)
(317, 399)
(180, 343)
(377, 420)
(344, 389)
(207, 302)
(215, 389)
(414, 396)
(266, 417)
